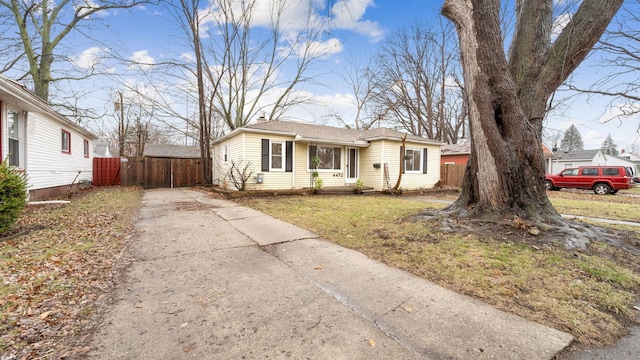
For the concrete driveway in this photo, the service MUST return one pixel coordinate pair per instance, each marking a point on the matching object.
(214, 280)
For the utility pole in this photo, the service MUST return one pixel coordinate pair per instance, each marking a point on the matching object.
(119, 105)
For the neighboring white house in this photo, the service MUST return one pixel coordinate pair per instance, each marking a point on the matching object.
(53, 151)
(280, 154)
(595, 157)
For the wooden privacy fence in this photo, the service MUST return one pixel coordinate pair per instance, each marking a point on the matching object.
(106, 171)
(154, 172)
(452, 174)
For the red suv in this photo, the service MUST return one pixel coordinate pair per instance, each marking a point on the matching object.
(601, 179)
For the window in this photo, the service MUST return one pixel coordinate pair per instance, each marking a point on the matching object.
(570, 172)
(592, 172)
(329, 157)
(225, 153)
(612, 171)
(14, 138)
(66, 142)
(568, 165)
(86, 148)
(412, 160)
(277, 155)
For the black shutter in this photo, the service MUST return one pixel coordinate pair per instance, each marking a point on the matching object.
(288, 167)
(402, 155)
(312, 153)
(265, 155)
(425, 151)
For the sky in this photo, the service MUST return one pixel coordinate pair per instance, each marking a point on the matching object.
(150, 35)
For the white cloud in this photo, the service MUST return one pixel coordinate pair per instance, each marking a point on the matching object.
(142, 59)
(296, 15)
(348, 15)
(319, 49)
(89, 58)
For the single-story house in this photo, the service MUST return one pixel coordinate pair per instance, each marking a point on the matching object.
(53, 151)
(458, 154)
(281, 155)
(593, 157)
(633, 158)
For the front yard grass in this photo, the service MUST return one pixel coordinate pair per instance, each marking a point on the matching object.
(589, 294)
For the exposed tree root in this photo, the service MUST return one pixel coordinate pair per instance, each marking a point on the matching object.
(567, 233)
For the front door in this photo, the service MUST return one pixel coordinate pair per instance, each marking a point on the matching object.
(353, 160)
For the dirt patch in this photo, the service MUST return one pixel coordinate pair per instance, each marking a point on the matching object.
(191, 206)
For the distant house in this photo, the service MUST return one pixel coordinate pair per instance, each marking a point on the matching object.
(281, 154)
(633, 158)
(53, 151)
(568, 159)
(458, 154)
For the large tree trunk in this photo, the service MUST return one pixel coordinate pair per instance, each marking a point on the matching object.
(507, 99)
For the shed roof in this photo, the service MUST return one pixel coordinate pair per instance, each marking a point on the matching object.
(172, 151)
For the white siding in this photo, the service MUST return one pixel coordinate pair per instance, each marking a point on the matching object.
(45, 163)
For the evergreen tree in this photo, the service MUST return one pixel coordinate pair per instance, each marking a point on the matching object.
(609, 147)
(572, 139)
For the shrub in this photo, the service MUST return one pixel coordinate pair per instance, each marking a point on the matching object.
(13, 195)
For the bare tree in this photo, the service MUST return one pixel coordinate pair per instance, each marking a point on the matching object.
(416, 82)
(359, 77)
(508, 98)
(135, 124)
(619, 51)
(239, 174)
(248, 56)
(42, 26)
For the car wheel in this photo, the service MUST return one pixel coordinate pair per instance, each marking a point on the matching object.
(614, 191)
(601, 189)
(548, 185)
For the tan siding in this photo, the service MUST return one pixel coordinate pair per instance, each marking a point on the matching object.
(302, 173)
(272, 179)
(389, 152)
(369, 175)
(247, 147)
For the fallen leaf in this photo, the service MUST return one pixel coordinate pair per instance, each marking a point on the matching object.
(188, 348)
(407, 308)
(318, 267)
(184, 325)
(45, 314)
(372, 343)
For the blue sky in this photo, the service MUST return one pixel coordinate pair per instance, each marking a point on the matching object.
(149, 34)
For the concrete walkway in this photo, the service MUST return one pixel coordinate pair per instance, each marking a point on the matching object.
(214, 280)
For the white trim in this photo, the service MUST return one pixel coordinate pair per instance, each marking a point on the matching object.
(283, 155)
(414, 170)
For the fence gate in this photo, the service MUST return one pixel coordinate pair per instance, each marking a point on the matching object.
(106, 171)
(150, 172)
(452, 174)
